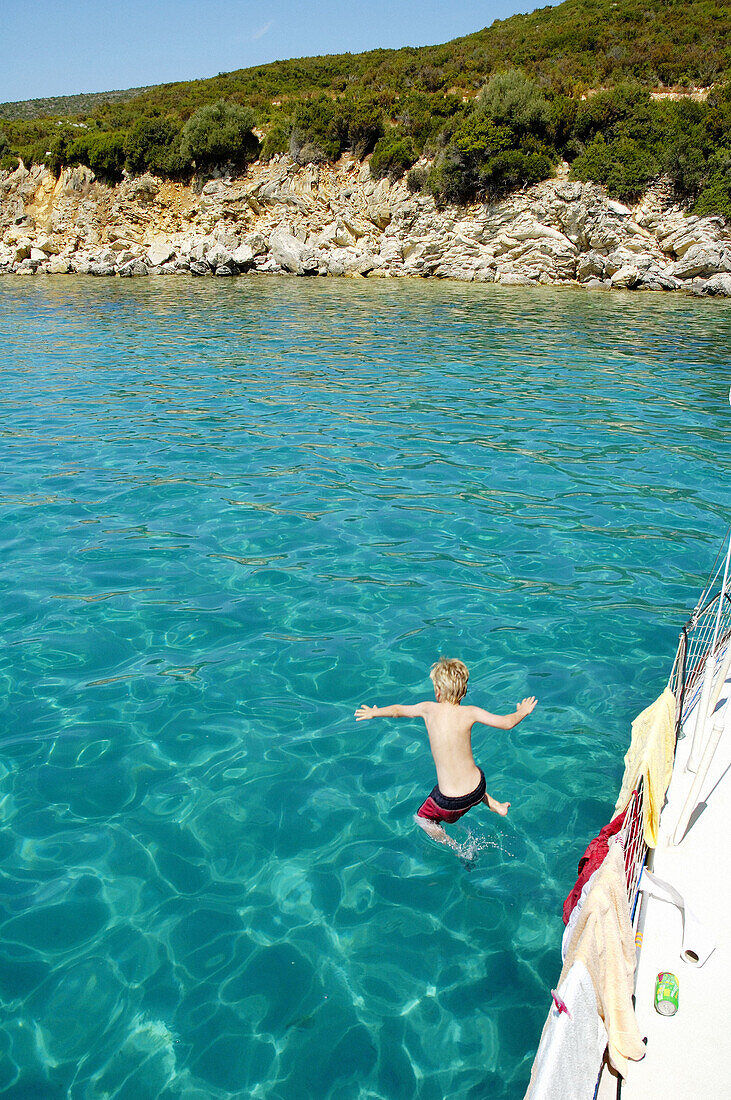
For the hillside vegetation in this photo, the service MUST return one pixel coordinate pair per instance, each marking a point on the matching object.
(55, 106)
(490, 112)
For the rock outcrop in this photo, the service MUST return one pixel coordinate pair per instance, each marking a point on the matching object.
(336, 220)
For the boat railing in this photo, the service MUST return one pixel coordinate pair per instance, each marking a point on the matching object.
(703, 640)
(632, 838)
(698, 675)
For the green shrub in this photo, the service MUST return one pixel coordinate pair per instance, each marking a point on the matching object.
(687, 160)
(418, 178)
(276, 141)
(614, 112)
(392, 156)
(486, 159)
(715, 198)
(514, 168)
(316, 135)
(102, 151)
(623, 166)
(57, 151)
(220, 133)
(152, 145)
(360, 124)
(511, 99)
(422, 117)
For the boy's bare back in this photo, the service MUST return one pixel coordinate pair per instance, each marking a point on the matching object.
(449, 726)
(460, 783)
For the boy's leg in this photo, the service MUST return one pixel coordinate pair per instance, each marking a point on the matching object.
(435, 831)
(496, 807)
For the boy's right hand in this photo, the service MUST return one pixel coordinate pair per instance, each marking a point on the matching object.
(363, 712)
(526, 706)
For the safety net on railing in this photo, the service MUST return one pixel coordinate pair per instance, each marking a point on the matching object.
(708, 627)
(632, 838)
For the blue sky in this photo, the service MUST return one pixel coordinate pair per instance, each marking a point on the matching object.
(59, 47)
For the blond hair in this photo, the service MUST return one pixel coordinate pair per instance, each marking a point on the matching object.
(449, 677)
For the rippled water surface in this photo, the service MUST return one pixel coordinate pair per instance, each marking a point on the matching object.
(233, 511)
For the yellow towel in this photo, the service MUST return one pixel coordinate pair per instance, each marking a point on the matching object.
(650, 755)
(604, 943)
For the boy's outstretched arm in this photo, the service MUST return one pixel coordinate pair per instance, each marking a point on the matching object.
(504, 721)
(394, 711)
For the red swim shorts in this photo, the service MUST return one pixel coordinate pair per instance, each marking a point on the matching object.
(438, 807)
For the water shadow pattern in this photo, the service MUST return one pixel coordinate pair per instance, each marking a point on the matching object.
(232, 512)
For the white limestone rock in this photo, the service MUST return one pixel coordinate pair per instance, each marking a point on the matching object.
(598, 284)
(76, 181)
(219, 256)
(257, 244)
(626, 277)
(243, 256)
(590, 265)
(21, 251)
(699, 261)
(133, 268)
(336, 234)
(145, 188)
(101, 268)
(159, 253)
(510, 278)
(51, 245)
(363, 264)
(391, 251)
(719, 285)
(292, 254)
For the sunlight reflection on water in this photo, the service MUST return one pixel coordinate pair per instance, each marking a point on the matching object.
(231, 513)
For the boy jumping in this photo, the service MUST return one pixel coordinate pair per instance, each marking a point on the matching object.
(460, 783)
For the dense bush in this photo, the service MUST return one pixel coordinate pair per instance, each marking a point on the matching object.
(323, 128)
(498, 145)
(622, 165)
(276, 140)
(511, 99)
(153, 145)
(417, 178)
(8, 162)
(315, 135)
(715, 197)
(220, 133)
(102, 150)
(392, 156)
(568, 48)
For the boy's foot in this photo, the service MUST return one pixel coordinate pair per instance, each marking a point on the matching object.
(496, 807)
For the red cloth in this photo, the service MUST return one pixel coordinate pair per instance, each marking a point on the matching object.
(592, 858)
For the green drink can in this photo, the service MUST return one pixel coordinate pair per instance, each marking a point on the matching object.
(666, 993)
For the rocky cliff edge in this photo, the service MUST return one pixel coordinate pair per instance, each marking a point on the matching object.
(336, 220)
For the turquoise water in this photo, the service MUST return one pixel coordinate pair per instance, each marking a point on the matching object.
(231, 512)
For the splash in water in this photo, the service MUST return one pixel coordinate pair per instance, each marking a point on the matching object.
(476, 842)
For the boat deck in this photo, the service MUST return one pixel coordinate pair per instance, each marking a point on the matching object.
(689, 1054)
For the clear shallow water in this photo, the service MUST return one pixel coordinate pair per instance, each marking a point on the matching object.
(233, 511)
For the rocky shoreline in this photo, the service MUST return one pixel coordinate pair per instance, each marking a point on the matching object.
(336, 220)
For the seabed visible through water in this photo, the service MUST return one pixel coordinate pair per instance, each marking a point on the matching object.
(232, 512)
